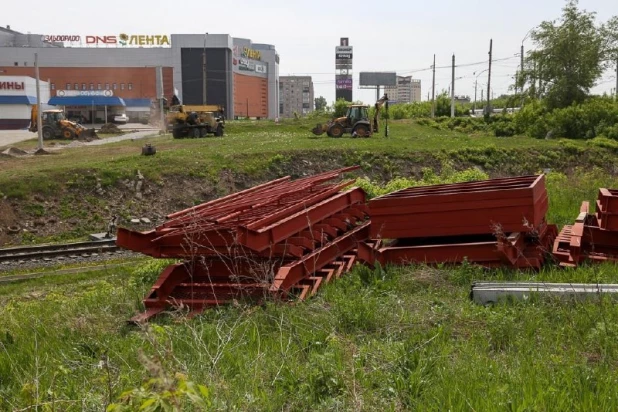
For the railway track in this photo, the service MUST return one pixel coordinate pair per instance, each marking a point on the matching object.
(38, 252)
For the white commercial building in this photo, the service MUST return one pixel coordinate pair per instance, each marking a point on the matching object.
(17, 96)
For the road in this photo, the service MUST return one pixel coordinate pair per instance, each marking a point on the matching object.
(9, 137)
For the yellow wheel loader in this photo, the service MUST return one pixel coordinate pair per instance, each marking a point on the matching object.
(196, 120)
(355, 122)
(55, 125)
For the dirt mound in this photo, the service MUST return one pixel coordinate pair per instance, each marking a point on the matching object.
(42, 152)
(110, 128)
(13, 151)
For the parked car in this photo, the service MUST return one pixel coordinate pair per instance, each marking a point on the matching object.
(121, 118)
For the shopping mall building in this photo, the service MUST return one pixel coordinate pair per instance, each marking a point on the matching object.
(94, 75)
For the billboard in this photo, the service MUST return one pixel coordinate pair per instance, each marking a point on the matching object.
(343, 84)
(378, 79)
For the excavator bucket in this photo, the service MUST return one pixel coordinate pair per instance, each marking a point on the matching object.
(318, 130)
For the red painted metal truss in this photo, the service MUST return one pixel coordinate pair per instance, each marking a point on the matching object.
(499, 222)
(286, 238)
(283, 238)
(593, 237)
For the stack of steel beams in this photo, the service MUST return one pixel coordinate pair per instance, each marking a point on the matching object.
(281, 238)
(493, 223)
(593, 237)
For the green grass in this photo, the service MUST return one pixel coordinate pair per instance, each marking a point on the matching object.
(259, 148)
(393, 338)
(398, 338)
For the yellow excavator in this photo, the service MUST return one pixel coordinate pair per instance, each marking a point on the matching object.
(55, 125)
(355, 122)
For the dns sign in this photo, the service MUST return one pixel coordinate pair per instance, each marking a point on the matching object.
(101, 40)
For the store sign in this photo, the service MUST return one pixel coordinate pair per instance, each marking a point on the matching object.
(251, 66)
(12, 86)
(251, 54)
(343, 56)
(343, 49)
(144, 40)
(122, 39)
(61, 38)
(344, 84)
(72, 93)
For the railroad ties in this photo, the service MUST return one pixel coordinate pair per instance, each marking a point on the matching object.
(499, 222)
(282, 239)
(593, 237)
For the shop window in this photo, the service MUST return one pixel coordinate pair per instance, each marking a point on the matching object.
(98, 86)
(114, 86)
(106, 86)
(130, 86)
(91, 86)
(68, 86)
(121, 86)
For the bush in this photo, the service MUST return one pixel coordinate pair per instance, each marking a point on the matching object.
(597, 116)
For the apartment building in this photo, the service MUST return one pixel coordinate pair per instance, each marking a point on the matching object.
(295, 95)
(408, 90)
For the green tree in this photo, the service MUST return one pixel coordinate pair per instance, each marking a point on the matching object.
(571, 55)
(320, 104)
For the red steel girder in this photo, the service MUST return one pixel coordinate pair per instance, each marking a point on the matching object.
(459, 192)
(259, 196)
(261, 239)
(468, 222)
(608, 201)
(289, 275)
(325, 229)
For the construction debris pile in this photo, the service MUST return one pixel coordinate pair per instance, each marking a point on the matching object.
(286, 238)
(498, 222)
(110, 128)
(283, 238)
(593, 237)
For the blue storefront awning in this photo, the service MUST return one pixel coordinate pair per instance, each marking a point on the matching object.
(137, 102)
(86, 101)
(17, 99)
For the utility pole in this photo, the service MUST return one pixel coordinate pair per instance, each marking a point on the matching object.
(39, 125)
(433, 89)
(161, 95)
(475, 83)
(491, 42)
(616, 89)
(453, 89)
(204, 71)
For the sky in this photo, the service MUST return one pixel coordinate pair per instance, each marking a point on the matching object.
(387, 35)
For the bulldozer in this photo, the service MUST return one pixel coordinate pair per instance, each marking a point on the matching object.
(196, 120)
(355, 122)
(55, 125)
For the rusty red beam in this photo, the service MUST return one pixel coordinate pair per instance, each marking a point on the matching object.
(608, 201)
(289, 275)
(267, 192)
(261, 239)
(461, 192)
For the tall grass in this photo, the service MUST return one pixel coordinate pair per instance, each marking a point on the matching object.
(391, 338)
